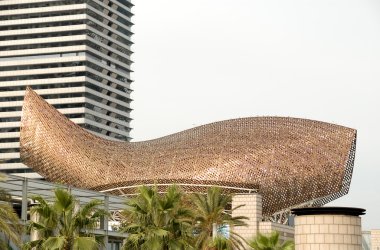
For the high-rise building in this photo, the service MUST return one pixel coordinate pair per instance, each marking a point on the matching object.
(75, 54)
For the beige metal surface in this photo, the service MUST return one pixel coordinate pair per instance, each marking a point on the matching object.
(289, 160)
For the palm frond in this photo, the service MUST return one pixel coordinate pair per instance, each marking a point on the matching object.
(64, 200)
(59, 223)
(10, 223)
(269, 242)
(85, 243)
(31, 245)
(54, 243)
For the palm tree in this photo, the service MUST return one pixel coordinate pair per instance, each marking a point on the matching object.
(213, 222)
(270, 242)
(64, 224)
(221, 243)
(157, 221)
(10, 224)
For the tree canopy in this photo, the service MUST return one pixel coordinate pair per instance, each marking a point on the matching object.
(10, 224)
(63, 224)
(270, 242)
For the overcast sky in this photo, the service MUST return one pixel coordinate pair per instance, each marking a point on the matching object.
(202, 61)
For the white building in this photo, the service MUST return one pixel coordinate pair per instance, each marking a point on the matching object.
(371, 239)
(76, 54)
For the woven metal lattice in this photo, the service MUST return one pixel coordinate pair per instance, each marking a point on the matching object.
(289, 161)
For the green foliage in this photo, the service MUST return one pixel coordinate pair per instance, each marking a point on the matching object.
(211, 217)
(270, 242)
(9, 221)
(63, 224)
(221, 243)
(166, 222)
(155, 221)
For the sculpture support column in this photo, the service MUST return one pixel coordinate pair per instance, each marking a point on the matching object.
(252, 209)
(328, 228)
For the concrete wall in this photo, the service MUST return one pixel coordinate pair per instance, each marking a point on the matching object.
(253, 210)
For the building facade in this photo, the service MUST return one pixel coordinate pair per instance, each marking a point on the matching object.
(21, 189)
(74, 53)
(375, 239)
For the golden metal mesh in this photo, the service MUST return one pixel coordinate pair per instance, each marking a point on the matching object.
(290, 161)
